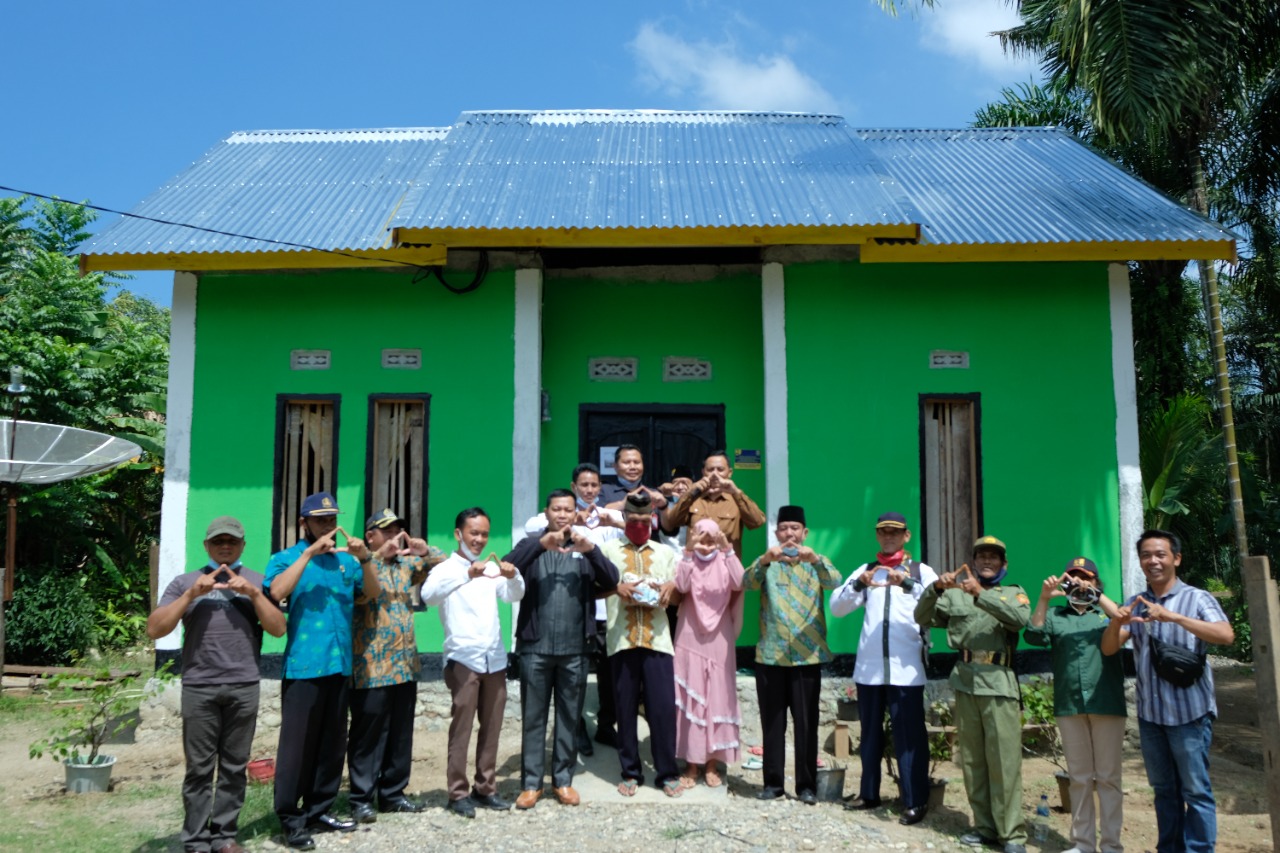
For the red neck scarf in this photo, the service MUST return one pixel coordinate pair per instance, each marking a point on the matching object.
(891, 561)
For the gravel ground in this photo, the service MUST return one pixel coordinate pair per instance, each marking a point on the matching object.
(741, 823)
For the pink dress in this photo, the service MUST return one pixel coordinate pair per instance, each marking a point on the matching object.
(710, 616)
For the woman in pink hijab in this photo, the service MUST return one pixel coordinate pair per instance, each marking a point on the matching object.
(710, 616)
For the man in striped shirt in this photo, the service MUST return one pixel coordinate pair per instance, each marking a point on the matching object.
(1175, 722)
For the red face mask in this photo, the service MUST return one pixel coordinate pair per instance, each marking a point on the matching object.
(638, 531)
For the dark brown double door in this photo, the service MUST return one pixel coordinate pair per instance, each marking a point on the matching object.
(670, 435)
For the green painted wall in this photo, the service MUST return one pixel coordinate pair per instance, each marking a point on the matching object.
(858, 339)
(247, 326)
(1039, 339)
(718, 321)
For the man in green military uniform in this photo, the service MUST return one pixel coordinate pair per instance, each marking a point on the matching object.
(983, 616)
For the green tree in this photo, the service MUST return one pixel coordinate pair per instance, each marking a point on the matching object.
(92, 363)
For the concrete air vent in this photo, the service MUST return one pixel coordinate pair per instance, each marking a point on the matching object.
(941, 358)
(685, 370)
(612, 369)
(402, 359)
(309, 359)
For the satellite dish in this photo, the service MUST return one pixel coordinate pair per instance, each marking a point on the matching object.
(33, 452)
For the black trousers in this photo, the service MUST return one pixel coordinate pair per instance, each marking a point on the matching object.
(218, 721)
(313, 744)
(380, 752)
(910, 740)
(797, 689)
(542, 679)
(645, 672)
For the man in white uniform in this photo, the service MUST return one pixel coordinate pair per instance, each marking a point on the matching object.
(890, 667)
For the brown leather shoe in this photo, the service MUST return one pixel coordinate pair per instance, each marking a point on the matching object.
(528, 798)
(567, 796)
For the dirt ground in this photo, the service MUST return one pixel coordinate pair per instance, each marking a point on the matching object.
(153, 770)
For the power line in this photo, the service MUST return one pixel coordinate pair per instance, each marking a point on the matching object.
(85, 204)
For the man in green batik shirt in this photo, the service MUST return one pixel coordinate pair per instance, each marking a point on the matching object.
(982, 616)
(792, 648)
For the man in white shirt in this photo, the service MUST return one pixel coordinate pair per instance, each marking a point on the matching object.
(890, 668)
(466, 589)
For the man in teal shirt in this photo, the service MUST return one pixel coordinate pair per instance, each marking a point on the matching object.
(791, 650)
(1088, 699)
(320, 582)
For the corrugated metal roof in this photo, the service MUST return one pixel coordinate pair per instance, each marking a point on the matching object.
(650, 169)
(316, 188)
(603, 169)
(1026, 185)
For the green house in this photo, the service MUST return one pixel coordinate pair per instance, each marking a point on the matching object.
(930, 321)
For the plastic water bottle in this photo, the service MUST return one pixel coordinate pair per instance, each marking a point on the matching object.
(1040, 829)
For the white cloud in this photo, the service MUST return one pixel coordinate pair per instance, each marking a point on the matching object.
(962, 28)
(716, 77)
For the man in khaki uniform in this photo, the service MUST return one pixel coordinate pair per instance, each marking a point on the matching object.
(983, 616)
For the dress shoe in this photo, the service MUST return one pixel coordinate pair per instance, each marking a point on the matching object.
(768, 793)
(230, 847)
(976, 839)
(490, 801)
(606, 736)
(463, 807)
(567, 796)
(401, 805)
(809, 798)
(914, 815)
(858, 804)
(528, 798)
(299, 839)
(331, 823)
(364, 813)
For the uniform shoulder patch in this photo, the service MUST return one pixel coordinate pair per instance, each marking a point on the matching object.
(1022, 598)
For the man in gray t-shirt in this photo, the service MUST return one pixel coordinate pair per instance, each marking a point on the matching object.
(223, 612)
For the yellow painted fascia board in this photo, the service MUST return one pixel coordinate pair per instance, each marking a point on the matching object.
(1116, 251)
(226, 261)
(650, 238)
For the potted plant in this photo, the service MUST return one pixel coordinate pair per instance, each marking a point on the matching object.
(847, 704)
(942, 733)
(1040, 734)
(99, 710)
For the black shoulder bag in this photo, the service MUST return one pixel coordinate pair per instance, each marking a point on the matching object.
(1178, 665)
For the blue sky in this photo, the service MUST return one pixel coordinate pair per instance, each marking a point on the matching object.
(107, 101)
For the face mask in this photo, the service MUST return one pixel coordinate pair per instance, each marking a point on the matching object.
(629, 485)
(995, 580)
(466, 552)
(638, 531)
(705, 558)
(214, 564)
(1083, 596)
(791, 551)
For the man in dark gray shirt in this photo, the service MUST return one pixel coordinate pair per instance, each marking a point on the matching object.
(223, 612)
(555, 630)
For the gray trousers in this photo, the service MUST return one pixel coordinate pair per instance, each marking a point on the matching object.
(541, 678)
(218, 721)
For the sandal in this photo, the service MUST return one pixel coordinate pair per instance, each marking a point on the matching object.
(752, 763)
(712, 774)
(689, 778)
(627, 787)
(672, 788)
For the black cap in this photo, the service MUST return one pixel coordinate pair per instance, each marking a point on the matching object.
(791, 513)
(638, 501)
(896, 520)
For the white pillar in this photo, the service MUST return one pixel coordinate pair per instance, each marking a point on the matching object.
(1124, 380)
(177, 446)
(777, 459)
(526, 440)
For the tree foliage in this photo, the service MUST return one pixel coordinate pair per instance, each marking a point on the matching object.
(89, 362)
